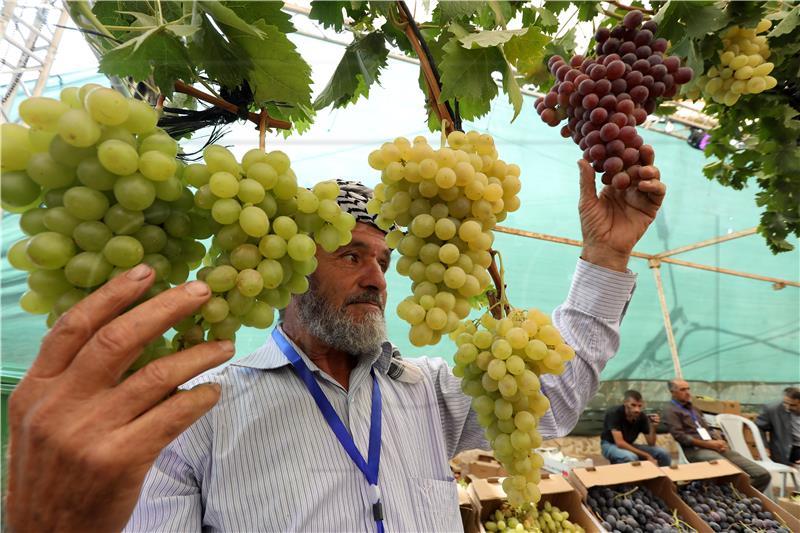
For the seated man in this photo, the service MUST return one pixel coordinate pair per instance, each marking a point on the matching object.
(687, 427)
(780, 422)
(621, 428)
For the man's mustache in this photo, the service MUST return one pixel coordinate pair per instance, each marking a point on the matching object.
(367, 298)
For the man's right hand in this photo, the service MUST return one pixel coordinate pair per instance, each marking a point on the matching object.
(82, 439)
(719, 446)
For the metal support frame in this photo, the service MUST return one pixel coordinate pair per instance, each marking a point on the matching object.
(655, 261)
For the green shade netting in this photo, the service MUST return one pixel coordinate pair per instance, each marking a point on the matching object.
(727, 328)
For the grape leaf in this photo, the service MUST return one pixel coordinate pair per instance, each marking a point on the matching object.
(358, 69)
(587, 10)
(526, 51)
(329, 14)
(489, 38)
(223, 61)
(278, 72)
(511, 88)
(453, 10)
(788, 24)
(270, 12)
(467, 76)
(160, 53)
(228, 17)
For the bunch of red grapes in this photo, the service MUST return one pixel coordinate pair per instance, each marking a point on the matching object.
(605, 97)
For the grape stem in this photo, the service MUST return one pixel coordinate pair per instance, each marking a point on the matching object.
(185, 88)
(620, 5)
(262, 129)
(429, 71)
(498, 301)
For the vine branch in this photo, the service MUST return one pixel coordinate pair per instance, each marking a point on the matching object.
(622, 6)
(255, 118)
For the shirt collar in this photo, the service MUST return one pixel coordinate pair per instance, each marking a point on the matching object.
(270, 357)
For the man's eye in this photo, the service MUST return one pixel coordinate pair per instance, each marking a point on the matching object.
(351, 257)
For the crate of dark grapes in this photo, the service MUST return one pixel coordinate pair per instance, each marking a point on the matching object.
(605, 95)
(634, 498)
(721, 495)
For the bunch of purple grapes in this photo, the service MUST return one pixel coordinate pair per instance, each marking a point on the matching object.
(605, 97)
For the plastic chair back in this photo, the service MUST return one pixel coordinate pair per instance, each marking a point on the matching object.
(733, 427)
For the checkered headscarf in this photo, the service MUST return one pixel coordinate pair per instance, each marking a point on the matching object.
(353, 198)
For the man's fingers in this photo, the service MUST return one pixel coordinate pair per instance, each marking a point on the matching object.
(154, 382)
(77, 325)
(647, 154)
(110, 352)
(159, 426)
(587, 185)
(652, 185)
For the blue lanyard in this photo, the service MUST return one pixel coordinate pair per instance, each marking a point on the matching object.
(690, 412)
(370, 467)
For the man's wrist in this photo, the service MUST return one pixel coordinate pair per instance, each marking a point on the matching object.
(605, 257)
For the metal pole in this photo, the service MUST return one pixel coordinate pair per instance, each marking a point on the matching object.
(51, 54)
(673, 348)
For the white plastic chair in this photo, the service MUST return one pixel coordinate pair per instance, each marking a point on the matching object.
(733, 427)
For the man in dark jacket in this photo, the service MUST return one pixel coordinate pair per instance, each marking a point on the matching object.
(780, 422)
(698, 441)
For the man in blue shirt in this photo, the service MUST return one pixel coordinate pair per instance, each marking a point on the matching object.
(83, 439)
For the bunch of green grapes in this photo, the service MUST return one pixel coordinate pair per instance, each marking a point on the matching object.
(268, 233)
(743, 67)
(500, 362)
(447, 202)
(530, 519)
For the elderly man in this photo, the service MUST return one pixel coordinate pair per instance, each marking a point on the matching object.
(699, 442)
(780, 421)
(320, 429)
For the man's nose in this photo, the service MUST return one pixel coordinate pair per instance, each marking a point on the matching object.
(373, 277)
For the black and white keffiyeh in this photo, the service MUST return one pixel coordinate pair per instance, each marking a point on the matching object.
(353, 198)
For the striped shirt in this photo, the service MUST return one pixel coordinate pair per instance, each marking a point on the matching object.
(264, 458)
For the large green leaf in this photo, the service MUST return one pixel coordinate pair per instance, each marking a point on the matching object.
(358, 69)
(278, 72)
(511, 87)
(270, 12)
(489, 38)
(467, 76)
(329, 13)
(454, 10)
(160, 54)
(228, 17)
(526, 51)
(787, 25)
(223, 61)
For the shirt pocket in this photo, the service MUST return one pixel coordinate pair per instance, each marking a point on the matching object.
(436, 504)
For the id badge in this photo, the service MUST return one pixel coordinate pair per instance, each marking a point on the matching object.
(703, 432)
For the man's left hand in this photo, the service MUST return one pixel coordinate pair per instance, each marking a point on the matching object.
(614, 221)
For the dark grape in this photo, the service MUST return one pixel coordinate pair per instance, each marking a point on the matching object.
(602, 87)
(683, 75)
(609, 132)
(644, 37)
(602, 34)
(625, 106)
(576, 61)
(616, 148)
(599, 116)
(633, 19)
(639, 93)
(650, 26)
(672, 63)
(630, 156)
(598, 152)
(590, 101)
(628, 47)
(615, 70)
(643, 52)
(551, 99)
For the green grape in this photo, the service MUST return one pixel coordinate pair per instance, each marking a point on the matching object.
(117, 133)
(44, 170)
(77, 128)
(41, 112)
(271, 272)
(32, 221)
(301, 247)
(254, 221)
(215, 309)
(269, 205)
(123, 221)
(287, 208)
(157, 213)
(65, 154)
(159, 142)
(36, 304)
(50, 250)
(328, 238)
(18, 256)
(245, 256)
(225, 328)
(226, 211)
(118, 157)
(38, 141)
(307, 201)
(67, 300)
(261, 315)
(60, 220)
(69, 95)
(172, 250)
(305, 268)
(250, 191)
(249, 282)
(272, 246)
(286, 187)
(107, 106)
(123, 251)
(201, 226)
(222, 278)
(135, 192)
(87, 269)
(204, 198)
(278, 160)
(196, 175)
(91, 236)
(160, 264)
(18, 190)
(156, 165)
(326, 190)
(92, 173)
(224, 184)
(284, 227)
(49, 283)
(179, 273)
(169, 190)
(15, 150)
(141, 117)
(220, 159)
(328, 210)
(238, 303)
(192, 251)
(255, 155)
(178, 225)
(230, 236)
(264, 174)
(85, 203)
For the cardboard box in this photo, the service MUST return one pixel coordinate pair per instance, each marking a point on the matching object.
(636, 473)
(790, 506)
(488, 495)
(469, 514)
(716, 407)
(483, 466)
(724, 472)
